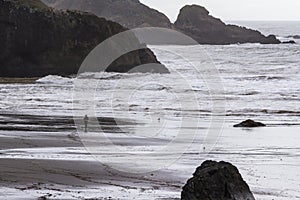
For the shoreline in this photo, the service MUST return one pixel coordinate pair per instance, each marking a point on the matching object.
(7, 80)
(42, 163)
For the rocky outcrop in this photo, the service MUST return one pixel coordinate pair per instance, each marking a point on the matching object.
(250, 124)
(294, 36)
(193, 21)
(196, 22)
(37, 41)
(289, 42)
(129, 13)
(217, 181)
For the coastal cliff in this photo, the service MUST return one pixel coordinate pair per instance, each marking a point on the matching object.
(129, 13)
(193, 20)
(37, 40)
(196, 22)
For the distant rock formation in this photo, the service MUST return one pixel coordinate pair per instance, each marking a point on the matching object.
(129, 13)
(249, 124)
(217, 181)
(196, 22)
(294, 36)
(37, 40)
(289, 42)
(193, 20)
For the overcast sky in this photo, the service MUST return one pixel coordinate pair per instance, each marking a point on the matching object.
(234, 9)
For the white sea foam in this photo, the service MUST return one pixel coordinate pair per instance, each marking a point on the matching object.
(261, 82)
(55, 80)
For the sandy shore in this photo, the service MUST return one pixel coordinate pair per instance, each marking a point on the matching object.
(77, 179)
(36, 162)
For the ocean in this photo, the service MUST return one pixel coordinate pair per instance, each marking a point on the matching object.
(176, 111)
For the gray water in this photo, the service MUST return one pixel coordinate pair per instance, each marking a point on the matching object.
(261, 82)
(281, 29)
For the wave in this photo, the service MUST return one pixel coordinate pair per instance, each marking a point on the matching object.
(110, 75)
(261, 77)
(50, 79)
(250, 93)
(288, 38)
(245, 45)
(155, 87)
(100, 76)
(264, 111)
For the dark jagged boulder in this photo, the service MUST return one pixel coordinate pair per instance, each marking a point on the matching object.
(129, 13)
(196, 22)
(37, 40)
(216, 181)
(249, 124)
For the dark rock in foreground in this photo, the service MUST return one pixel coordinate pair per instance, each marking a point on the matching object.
(196, 22)
(37, 41)
(249, 123)
(216, 181)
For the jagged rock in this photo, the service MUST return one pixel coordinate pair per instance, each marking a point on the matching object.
(289, 42)
(216, 181)
(196, 22)
(250, 123)
(129, 13)
(37, 40)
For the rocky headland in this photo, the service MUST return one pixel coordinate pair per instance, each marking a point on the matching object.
(193, 20)
(129, 13)
(37, 40)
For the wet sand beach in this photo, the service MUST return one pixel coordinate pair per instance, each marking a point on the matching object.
(55, 164)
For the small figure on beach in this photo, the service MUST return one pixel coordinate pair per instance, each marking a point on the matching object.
(86, 120)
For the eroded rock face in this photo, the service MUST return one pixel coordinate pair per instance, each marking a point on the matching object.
(217, 181)
(250, 124)
(37, 40)
(196, 22)
(129, 13)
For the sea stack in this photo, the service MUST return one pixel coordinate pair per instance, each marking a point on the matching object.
(196, 22)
